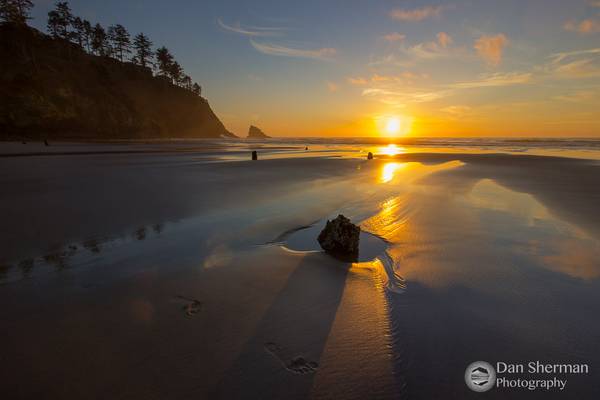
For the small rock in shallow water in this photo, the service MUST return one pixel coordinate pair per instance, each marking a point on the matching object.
(370, 156)
(340, 238)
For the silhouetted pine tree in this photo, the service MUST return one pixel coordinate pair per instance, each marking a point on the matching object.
(164, 60)
(59, 21)
(116, 42)
(15, 11)
(176, 73)
(99, 41)
(88, 33)
(78, 31)
(120, 41)
(196, 89)
(186, 82)
(143, 50)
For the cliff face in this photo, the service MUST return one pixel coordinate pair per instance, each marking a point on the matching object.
(255, 133)
(50, 88)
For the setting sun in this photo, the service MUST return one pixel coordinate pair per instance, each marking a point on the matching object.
(393, 125)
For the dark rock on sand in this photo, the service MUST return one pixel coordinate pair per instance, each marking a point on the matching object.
(256, 133)
(370, 156)
(340, 238)
(254, 155)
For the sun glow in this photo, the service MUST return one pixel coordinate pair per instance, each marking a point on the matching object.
(393, 125)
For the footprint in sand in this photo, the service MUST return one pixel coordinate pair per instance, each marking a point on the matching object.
(191, 307)
(297, 365)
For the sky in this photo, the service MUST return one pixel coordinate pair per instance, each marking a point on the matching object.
(380, 68)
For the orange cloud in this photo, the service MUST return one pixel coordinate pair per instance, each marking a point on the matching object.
(394, 37)
(444, 39)
(380, 78)
(417, 14)
(357, 81)
(584, 27)
(490, 48)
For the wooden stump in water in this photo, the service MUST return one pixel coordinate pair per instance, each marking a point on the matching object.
(254, 155)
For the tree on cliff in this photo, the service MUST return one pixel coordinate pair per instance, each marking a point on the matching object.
(176, 73)
(186, 82)
(119, 40)
(62, 24)
(78, 33)
(196, 89)
(165, 59)
(143, 50)
(59, 21)
(99, 41)
(15, 11)
(88, 33)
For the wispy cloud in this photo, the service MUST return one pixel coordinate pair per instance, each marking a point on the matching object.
(325, 53)
(253, 31)
(495, 80)
(456, 111)
(400, 97)
(578, 96)
(559, 57)
(574, 64)
(394, 37)
(405, 77)
(490, 48)
(585, 27)
(390, 60)
(433, 49)
(417, 14)
(585, 68)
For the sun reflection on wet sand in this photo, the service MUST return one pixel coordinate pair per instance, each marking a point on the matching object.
(388, 222)
(411, 171)
(391, 150)
(389, 169)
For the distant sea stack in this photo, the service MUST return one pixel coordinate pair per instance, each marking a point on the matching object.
(255, 133)
(51, 88)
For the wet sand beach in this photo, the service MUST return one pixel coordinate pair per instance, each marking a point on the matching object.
(192, 274)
